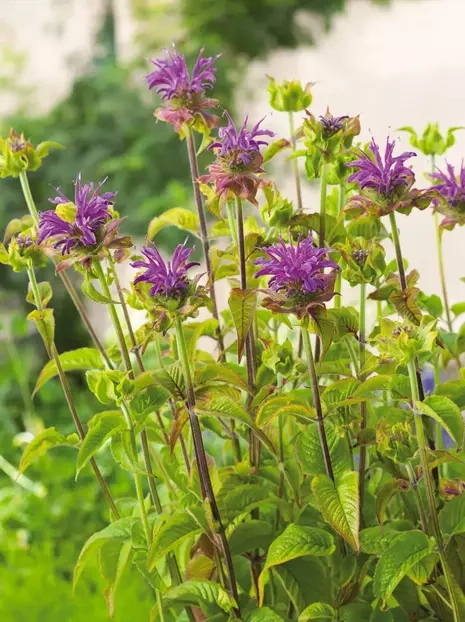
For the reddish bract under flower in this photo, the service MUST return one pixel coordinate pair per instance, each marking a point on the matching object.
(451, 188)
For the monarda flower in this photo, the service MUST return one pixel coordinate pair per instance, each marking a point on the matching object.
(451, 188)
(82, 225)
(237, 168)
(332, 125)
(183, 95)
(166, 278)
(385, 182)
(298, 281)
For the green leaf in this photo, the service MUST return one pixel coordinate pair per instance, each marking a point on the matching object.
(317, 611)
(339, 504)
(264, 614)
(253, 534)
(408, 549)
(43, 148)
(345, 321)
(120, 531)
(355, 612)
(170, 377)
(45, 294)
(89, 289)
(243, 304)
(246, 497)
(452, 516)
(73, 360)
(443, 410)
(319, 324)
(296, 541)
(274, 148)
(341, 393)
(146, 403)
(169, 534)
(293, 577)
(310, 455)
(376, 540)
(175, 217)
(454, 390)
(458, 308)
(199, 592)
(45, 322)
(101, 428)
(387, 492)
(283, 405)
(219, 372)
(48, 439)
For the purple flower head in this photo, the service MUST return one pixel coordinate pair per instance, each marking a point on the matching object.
(91, 212)
(331, 125)
(382, 176)
(295, 270)
(238, 160)
(451, 186)
(167, 278)
(171, 77)
(183, 94)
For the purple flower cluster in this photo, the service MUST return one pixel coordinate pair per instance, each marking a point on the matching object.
(238, 160)
(296, 269)
(183, 94)
(384, 176)
(332, 125)
(92, 211)
(451, 186)
(167, 278)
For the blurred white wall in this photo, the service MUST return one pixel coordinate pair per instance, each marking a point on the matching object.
(401, 65)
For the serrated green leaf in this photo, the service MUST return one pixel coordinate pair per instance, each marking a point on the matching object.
(89, 289)
(286, 406)
(169, 534)
(317, 611)
(345, 321)
(175, 217)
(387, 492)
(355, 612)
(310, 455)
(45, 322)
(242, 304)
(40, 444)
(454, 390)
(452, 516)
(296, 541)
(73, 360)
(339, 504)
(443, 410)
(341, 393)
(250, 535)
(219, 372)
(101, 428)
(45, 294)
(201, 593)
(408, 549)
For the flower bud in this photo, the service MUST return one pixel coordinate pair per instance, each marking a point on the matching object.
(289, 96)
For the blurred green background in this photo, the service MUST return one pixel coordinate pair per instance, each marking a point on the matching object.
(107, 128)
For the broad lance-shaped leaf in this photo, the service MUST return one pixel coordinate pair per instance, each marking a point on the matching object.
(310, 455)
(250, 535)
(74, 360)
(452, 516)
(282, 405)
(101, 428)
(201, 593)
(448, 414)
(170, 534)
(45, 322)
(408, 549)
(242, 304)
(48, 439)
(45, 294)
(119, 531)
(317, 611)
(93, 293)
(264, 614)
(339, 504)
(296, 541)
(175, 217)
(388, 491)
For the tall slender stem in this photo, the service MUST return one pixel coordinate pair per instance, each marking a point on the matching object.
(322, 230)
(338, 282)
(202, 462)
(363, 405)
(204, 233)
(97, 266)
(295, 164)
(69, 398)
(317, 403)
(232, 223)
(421, 439)
(403, 281)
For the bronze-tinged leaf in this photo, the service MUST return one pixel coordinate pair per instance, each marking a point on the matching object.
(180, 419)
(242, 304)
(406, 306)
